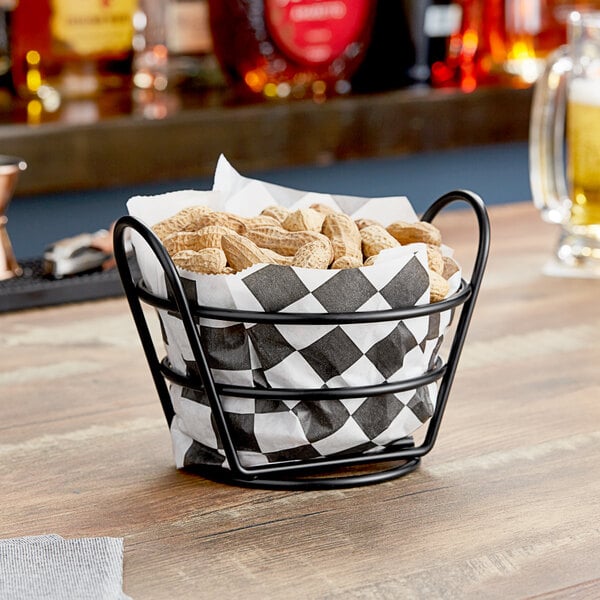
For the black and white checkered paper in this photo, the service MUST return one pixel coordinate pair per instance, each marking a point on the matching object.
(303, 356)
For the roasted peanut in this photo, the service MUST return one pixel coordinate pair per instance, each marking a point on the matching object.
(304, 219)
(223, 219)
(375, 239)
(211, 235)
(421, 231)
(208, 260)
(182, 240)
(207, 237)
(324, 209)
(280, 240)
(347, 262)
(242, 253)
(438, 287)
(276, 258)
(251, 222)
(279, 213)
(313, 255)
(185, 220)
(344, 236)
(435, 260)
(362, 222)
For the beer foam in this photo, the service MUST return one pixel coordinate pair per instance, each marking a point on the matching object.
(585, 91)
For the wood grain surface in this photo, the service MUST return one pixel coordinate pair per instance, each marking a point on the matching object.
(506, 506)
(123, 148)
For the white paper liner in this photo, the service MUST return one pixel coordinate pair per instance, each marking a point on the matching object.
(305, 356)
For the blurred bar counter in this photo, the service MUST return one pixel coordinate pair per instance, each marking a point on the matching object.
(118, 140)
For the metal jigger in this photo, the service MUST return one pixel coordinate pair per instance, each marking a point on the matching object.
(10, 167)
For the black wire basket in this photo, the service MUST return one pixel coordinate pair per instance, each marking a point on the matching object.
(347, 470)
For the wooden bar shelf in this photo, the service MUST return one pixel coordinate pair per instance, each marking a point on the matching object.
(113, 142)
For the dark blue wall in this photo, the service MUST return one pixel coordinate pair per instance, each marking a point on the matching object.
(498, 173)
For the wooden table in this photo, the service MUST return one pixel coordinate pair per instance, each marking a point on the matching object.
(507, 504)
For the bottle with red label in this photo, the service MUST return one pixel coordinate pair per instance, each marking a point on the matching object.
(291, 48)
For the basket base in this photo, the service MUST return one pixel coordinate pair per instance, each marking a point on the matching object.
(317, 482)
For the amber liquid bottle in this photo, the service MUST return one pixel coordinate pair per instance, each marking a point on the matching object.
(291, 48)
(534, 30)
(76, 47)
(475, 51)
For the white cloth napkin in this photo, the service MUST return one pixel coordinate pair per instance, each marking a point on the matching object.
(49, 567)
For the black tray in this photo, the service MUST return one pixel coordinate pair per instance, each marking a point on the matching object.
(34, 289)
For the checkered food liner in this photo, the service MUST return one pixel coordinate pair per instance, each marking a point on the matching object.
(298, 356)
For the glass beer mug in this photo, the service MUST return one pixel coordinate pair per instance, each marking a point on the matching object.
(568, 192)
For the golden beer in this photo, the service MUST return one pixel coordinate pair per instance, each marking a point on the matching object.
(569, 195)
(583, 152)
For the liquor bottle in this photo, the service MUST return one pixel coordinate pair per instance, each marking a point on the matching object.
(290, 48)
(390, 57)
(192, 62)
(475, 51)
(434, 22)
(442, 19)
(409, 37)
(77, 47)
(6, 82)
(534, 30)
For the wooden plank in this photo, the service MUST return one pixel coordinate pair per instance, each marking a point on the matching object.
(125, 148)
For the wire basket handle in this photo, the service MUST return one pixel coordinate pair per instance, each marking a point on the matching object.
(476, 203)
(483, 247)
(175, 288)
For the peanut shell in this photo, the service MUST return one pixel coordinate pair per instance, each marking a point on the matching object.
(207, 237)
(375, 238)
(261, 219)
(208, 260)
(223, 219)
(324, 209)
(344, 236)
(314, 255)
(276, 258)
(280, 240)
(184, 220)
(421, 231)
(241, 252)
(435, 260)
(347, 262)
(438, 287)
(279, 213)
(304, 219)
(362, 222)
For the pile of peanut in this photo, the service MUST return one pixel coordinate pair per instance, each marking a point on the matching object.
(202, 240)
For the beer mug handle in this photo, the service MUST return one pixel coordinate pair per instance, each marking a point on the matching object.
(546, 139)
